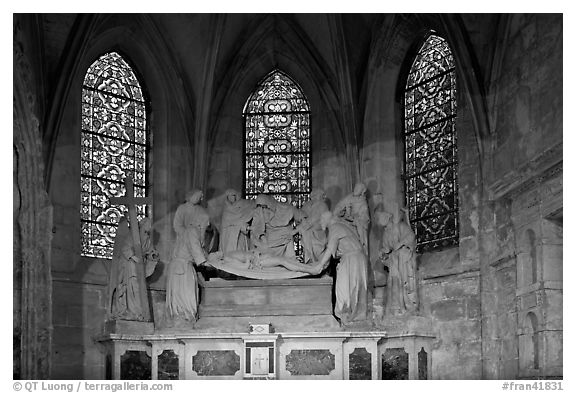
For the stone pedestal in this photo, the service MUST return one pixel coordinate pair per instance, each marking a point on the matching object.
(282, 355)
(247, 298)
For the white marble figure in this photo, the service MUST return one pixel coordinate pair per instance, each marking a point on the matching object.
(398, 252)
(257, 259)
(191, 215)
(353, 208)
(351, 272)
(313, 236)
(236, 216)
(190, 223)
(273, 224)
(123, 286)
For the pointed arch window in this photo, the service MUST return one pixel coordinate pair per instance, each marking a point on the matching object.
(277, 141)
(431, 182)
(114, 144)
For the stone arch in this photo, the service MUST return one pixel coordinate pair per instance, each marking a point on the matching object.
(530, 343)
(392, 54)
(527, 259)
(136, 39)
(269, 44)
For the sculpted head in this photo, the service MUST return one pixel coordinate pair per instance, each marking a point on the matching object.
(318, 195)
(232, 195)
(263, 200)
(326, 219)
(194, 196)
(359, 189)
(382, 217)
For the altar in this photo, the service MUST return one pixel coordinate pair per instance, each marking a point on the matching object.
(267, 354)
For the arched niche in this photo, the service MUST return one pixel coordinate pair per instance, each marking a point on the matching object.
(529, 343)
(527, 266)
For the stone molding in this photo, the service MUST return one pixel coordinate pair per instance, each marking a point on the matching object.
(544, 166)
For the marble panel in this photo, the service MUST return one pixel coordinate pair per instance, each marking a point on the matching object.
(360, 364)
(216, 363)
(135, 365)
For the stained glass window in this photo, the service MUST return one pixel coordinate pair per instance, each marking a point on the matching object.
(431, 182)
(114, 144)
(277, 141)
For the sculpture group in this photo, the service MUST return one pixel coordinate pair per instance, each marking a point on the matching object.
(257, 238)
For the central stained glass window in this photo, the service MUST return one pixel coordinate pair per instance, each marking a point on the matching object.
(431, 182)
(277, 141)
(114, 145)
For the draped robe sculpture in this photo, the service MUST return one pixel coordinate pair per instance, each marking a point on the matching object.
(351, 272)
(313, 236)
(398, 252)
(190, 223)
(236, 215)
(353, 208)
(273, 224)
(123, 286)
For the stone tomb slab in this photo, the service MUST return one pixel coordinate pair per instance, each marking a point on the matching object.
(252, 298)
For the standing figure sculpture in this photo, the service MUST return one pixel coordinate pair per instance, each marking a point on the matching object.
(354, 209)
(236, 216)
(273, 224)
(352, 270)
(398, 252)
(123, 285)
(313, 236)
(190, 223)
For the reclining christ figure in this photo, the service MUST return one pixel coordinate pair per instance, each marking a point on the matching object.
(257, 260)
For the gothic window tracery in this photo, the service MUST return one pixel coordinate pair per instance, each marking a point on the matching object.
(277, 141)
(431, 182)
(114, 144)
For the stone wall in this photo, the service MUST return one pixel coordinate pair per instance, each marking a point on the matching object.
(522, 226)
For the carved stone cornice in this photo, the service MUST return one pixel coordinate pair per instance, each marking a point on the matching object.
(544, 166)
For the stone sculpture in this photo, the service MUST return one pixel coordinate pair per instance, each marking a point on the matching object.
(273, 224)
(258, 260)
(351, 271)
(353, 208)
(190, 223)
(313, 236)
(236, 216)
(124, 301)
(398, 253)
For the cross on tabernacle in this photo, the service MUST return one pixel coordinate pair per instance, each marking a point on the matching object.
(130, 201)
(260, 361)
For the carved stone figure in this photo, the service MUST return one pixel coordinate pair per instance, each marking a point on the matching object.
(259, 260)
(273, 224)
(353, 208)
(398, 252)
(192, 216)
(149, 253)
(351, 272)
(236, 215)
(123, 285)
(313, 236)
(190, 223)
